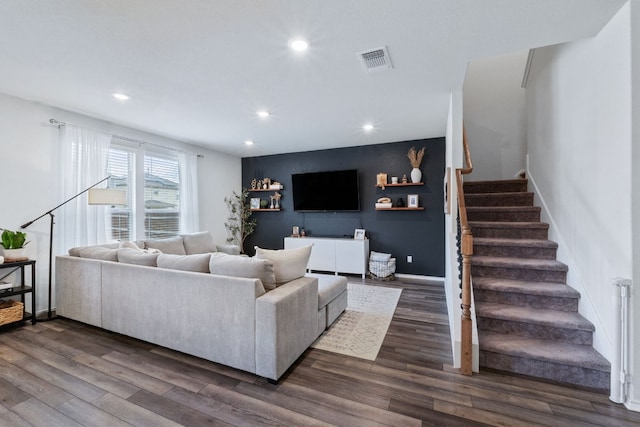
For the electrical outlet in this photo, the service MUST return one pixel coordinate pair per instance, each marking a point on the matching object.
(409, 259)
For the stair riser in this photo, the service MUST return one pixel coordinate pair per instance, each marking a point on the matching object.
(508, 216)
(515, 252)
(526, 300)
(592, 379)
(550, 276)
(532, 330)
(495, 187)
(510, 233)
(522, 199)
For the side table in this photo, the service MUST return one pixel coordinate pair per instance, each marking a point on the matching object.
(21, 289)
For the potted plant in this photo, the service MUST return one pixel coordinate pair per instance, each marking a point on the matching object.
(13, 243)
(238, 224)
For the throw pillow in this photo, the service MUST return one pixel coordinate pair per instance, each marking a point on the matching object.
(229, 249)
(288, 264)
(172, 245)
(95, 252)
(138, 257)
(379, 256)
(240, 266)
(131, 245)
(198, 243)
(196, 262)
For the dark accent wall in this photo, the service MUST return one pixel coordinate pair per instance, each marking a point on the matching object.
(400, 233)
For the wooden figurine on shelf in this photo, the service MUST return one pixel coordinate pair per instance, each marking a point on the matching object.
(404, 179)
(254, 184)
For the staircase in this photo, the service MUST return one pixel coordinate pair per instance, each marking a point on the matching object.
(528, 320)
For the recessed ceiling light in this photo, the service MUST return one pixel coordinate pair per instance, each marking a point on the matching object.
(298, 44)
(120, 96)
(249, 142)
(368, 127)
(263, 114)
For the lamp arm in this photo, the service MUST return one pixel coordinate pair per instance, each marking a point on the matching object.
(25, 225)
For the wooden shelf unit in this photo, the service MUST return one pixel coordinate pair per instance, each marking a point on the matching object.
(400, 209)
(402, 184)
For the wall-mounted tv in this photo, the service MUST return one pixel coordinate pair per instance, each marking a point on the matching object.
(330, 191)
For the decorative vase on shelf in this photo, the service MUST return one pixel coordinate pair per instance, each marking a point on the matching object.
(416, 175)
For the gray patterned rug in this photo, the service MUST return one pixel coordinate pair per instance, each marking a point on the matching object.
(360, 330)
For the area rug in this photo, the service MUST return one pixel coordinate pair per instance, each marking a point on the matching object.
(360, 330)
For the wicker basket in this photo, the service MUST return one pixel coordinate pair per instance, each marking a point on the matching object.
(10, 311)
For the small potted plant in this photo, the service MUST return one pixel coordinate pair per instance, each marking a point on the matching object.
(13, 243)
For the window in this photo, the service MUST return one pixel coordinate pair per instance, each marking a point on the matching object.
(156, 214)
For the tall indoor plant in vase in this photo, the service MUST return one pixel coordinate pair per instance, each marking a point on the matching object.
(13, 244)
(238, 224)
(415, 158)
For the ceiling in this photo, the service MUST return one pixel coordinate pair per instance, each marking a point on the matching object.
(198, 70)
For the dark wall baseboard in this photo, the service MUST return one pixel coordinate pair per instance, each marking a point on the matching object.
(419, 234)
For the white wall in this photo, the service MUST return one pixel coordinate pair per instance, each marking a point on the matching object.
(494, 115)
(579, 148)
(28, 159)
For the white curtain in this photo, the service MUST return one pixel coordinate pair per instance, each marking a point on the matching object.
(189, 216)
(83, 162)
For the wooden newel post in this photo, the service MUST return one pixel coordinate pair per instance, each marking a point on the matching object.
(466, 323)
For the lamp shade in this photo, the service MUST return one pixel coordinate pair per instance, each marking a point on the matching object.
(107, 196)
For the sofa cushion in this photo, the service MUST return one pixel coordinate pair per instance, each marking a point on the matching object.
(196, 262)
(138, 257)
(329, 287)
(229, 249)
(171, 245)
(96, 252)
(288, 264)
(242, 266)
(133, 245)
(198, 243)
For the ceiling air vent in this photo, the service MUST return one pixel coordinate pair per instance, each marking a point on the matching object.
(375, 60)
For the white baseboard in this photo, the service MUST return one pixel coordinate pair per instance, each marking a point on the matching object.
(420, 277)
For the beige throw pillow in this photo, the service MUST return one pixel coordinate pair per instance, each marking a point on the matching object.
(288, 264)
(95, 252)
(241, 266)
(171, 245)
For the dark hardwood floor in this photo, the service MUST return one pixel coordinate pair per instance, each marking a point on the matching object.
(64, 373)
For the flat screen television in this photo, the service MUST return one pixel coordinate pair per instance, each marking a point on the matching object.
(330, 191)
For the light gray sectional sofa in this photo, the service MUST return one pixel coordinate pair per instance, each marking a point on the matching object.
(221, 312)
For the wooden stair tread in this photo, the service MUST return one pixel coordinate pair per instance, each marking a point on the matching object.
(552, 318)
(545, 350)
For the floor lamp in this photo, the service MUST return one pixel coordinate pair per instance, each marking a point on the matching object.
(97, 196)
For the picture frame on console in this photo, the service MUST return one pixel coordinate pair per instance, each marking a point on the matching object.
(359, 234)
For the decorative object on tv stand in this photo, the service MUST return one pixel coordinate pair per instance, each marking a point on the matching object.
(415, 158)
(296, 231)
(97, 196)
(412, 200)
(359, 234)
(13, 244)
(238, 224)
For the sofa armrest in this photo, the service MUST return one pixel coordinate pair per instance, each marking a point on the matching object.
(79, 289)
(286, 325)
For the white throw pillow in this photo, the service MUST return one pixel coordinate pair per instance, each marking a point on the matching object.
(241, 266)
(288, 264)
(171, 245)
(197, 262)
(138, 256)
(198, 243)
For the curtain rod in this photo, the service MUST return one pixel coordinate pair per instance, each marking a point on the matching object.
(125, 138)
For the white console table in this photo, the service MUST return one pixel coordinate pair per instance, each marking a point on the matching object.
(340, 255)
